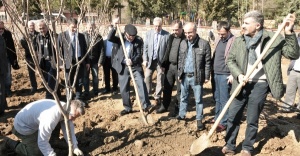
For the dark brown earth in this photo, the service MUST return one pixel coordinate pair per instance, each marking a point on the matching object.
(102, 131)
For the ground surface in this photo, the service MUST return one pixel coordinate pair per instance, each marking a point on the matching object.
(102, 131)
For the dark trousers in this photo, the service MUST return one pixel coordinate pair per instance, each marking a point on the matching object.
(171, 76)
(253, 95)
(107, 68)
(49, 74)
(124, 79)
(70, 75)
(31, 73)
(3, 103)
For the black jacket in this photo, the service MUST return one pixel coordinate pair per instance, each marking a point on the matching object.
(166, 62)
(96, 53)
(201, 59)
(10, 46)
(118, 54)
(39, 45)
(24, 45)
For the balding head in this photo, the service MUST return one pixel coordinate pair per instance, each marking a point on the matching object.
(31, 26)
(190, 30)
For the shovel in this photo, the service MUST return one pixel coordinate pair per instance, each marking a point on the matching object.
(149, 118)
(203, 141)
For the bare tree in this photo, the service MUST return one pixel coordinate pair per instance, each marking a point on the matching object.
(19, 20)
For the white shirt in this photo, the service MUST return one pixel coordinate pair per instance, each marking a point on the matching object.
(108, 48)
(42, 116)
(72, 35)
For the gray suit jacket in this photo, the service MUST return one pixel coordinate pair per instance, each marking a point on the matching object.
(149, 46)
(64, 42)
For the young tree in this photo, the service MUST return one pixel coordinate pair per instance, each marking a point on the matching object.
(20, 22)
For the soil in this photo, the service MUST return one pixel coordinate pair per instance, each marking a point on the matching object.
(102, 131)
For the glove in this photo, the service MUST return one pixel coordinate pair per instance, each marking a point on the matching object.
(78, 152)
(15, 65)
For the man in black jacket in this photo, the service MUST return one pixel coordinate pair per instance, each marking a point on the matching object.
(3, 72)
(11, 56)
(28, 57)
(94, 42)
(134, 47)
(46, 55)
(170, 63)
(193, 70)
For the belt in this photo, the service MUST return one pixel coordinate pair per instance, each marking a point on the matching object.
(189, 74)
(108, 57)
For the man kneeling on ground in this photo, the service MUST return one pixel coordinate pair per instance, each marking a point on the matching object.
(35, 123)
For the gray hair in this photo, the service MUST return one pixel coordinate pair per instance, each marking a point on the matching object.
(31, 23)
(157, 19)
(257, 16)
(79, 105)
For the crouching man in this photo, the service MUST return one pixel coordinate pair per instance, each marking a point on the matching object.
(35, 123)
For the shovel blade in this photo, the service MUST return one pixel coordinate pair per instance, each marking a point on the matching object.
(199, 144)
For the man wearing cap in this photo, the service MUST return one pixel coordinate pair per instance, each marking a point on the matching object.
(154, 51)
(133, 45)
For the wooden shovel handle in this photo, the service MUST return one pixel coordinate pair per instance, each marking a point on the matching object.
(132, 77)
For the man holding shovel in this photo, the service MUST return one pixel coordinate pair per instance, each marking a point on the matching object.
(133, 46)
(266, 77)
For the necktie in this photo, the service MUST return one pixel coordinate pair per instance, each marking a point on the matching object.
(74, 47)
(156, 46)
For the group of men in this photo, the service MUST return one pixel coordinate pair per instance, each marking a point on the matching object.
(184, 57)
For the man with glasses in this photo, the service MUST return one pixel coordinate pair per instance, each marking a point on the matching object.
(11, 56)
(35, 123)
(133, 47)
(46, 55)
(30, 64)
(221, 75)
(154, 51)
(193, 70)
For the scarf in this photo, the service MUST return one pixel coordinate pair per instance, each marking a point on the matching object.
(251, 44)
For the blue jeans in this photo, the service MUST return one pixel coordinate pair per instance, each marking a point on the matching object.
(198, 92)
(86, 80)
(252, 95)
(222, 94)
(8, 78)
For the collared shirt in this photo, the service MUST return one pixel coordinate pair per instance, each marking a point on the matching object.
(73, 37)
(156, 40)
(189, 62)
(128, 46)
(108, 48)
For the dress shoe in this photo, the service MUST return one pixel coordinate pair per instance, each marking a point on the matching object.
(245, 153)
(115, 92)
(161, 110)
(227, 151)
(200, 125)
(124, 112)
(221, 128)
(105, 91)
(179, 117)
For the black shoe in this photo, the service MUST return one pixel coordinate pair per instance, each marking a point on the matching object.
(149, 109)
(179, 117)
(105, 91)
(114, 92)
(161, 110)
(124, 112)
(200, 125)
